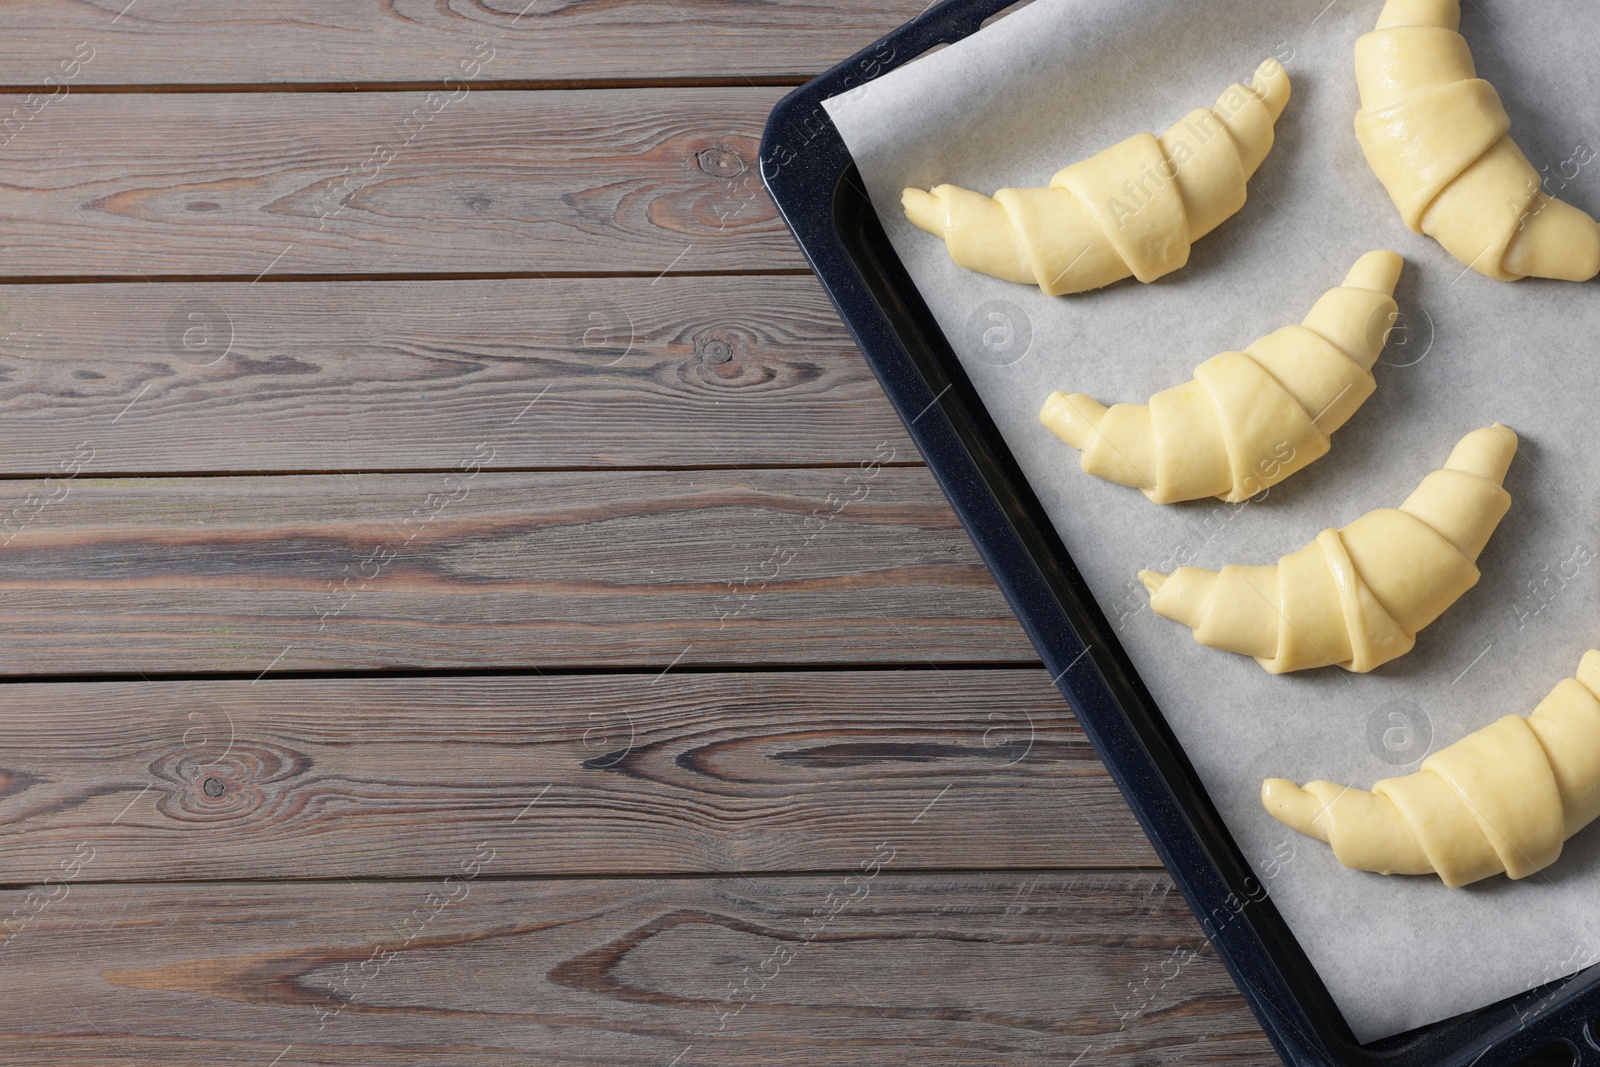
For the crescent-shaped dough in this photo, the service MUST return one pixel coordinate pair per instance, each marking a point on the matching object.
(1134, 209)
(1248, 419)
(1438, 138)
(1501, 799)
(1354, 597)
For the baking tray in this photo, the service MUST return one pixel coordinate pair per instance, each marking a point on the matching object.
(809, 173)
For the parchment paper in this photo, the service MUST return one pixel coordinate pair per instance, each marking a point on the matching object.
(1061, 79)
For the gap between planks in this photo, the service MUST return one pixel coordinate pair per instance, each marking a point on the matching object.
(580, 468)
(398, 276)
(465, 673)
(1154, 872)
(531, 85)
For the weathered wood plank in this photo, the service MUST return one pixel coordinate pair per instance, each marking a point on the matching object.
(691, 372)
(193, 42)
(618, 774)
(249, 184)
(864, 564)
(880, 968)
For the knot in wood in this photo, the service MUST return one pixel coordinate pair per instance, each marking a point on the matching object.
(714, 350)
(720, 161)
(246, 779)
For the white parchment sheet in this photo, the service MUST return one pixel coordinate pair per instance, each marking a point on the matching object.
(1061, 79)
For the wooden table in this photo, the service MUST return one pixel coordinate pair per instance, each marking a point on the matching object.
(466, 601)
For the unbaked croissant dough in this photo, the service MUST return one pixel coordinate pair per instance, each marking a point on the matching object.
(1437, 137)
(1354, 597)
(1501, 799)
(1248, 419)
(1133, 209)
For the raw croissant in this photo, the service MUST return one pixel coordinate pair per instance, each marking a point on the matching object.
(1437, 137)
(1354, 597)
(1133, 209)
(1248, 419)
(1501, 799)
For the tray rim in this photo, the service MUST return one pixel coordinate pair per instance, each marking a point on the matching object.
(811, 177)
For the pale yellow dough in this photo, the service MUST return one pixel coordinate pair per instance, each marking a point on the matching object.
(1438, 138)
(1354, 597)
(1248, 419)
(1502, 799)
(1134, 209)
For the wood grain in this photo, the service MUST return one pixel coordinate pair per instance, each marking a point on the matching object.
(410, 340)
(880, 968)
(249, 184)
(619, 774)
(480, 569)
(617, 372)
(193, 42)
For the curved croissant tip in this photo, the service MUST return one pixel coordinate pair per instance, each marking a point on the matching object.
(1294, 807)
(1054, 408)
(1487, 452)
(1153, 581)
(924, 210)
(1445, 14)
(1589, 671)
(1271, 83)
(1075, 418)
(1378, 271)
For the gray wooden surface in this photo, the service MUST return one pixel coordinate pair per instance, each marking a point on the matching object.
(466, 601)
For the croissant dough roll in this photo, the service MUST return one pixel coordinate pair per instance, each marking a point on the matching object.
(1133, 209)
(1501, 799)
(1439, 139)
(1355, 597)
(1248, 419)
